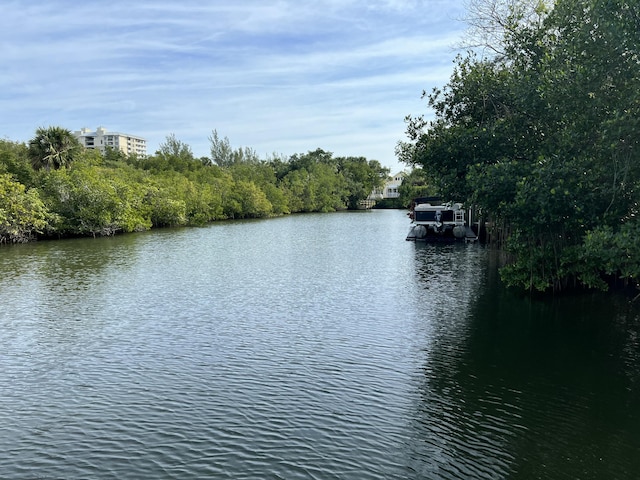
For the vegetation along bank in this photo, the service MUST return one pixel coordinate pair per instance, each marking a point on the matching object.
(53, 187)
(539, 128)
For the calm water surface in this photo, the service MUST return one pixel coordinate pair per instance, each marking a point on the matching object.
(305, 347)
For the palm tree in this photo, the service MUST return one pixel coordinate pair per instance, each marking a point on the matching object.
(53, 147)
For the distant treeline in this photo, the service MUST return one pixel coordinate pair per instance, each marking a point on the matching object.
(542, 133)
(53, 187)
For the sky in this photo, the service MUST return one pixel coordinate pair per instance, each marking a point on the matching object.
(279, 76)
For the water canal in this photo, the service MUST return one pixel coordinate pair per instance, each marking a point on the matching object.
(305, 347)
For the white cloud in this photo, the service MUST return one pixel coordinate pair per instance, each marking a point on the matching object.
(285, 76)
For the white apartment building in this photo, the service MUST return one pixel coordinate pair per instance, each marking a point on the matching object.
(101, 139)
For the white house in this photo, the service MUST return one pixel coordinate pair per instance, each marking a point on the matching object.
(101, 139)
(390, 189)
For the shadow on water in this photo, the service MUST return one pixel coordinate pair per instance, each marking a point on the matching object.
(54, 293)
(515, 387)
(75, 263)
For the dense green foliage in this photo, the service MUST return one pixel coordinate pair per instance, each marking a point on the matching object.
(53, 148)
(22, 213)
(55, 188)
(544, 139)
(415, 184)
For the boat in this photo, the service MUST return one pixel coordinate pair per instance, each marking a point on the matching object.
(434, 220)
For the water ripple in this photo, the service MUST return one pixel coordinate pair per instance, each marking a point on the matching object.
(314, 353)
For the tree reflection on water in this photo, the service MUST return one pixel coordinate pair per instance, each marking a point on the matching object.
(519, 387)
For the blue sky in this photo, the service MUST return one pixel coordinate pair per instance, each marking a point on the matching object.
(281, 77)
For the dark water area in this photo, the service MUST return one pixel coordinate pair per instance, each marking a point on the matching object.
(305, 347)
